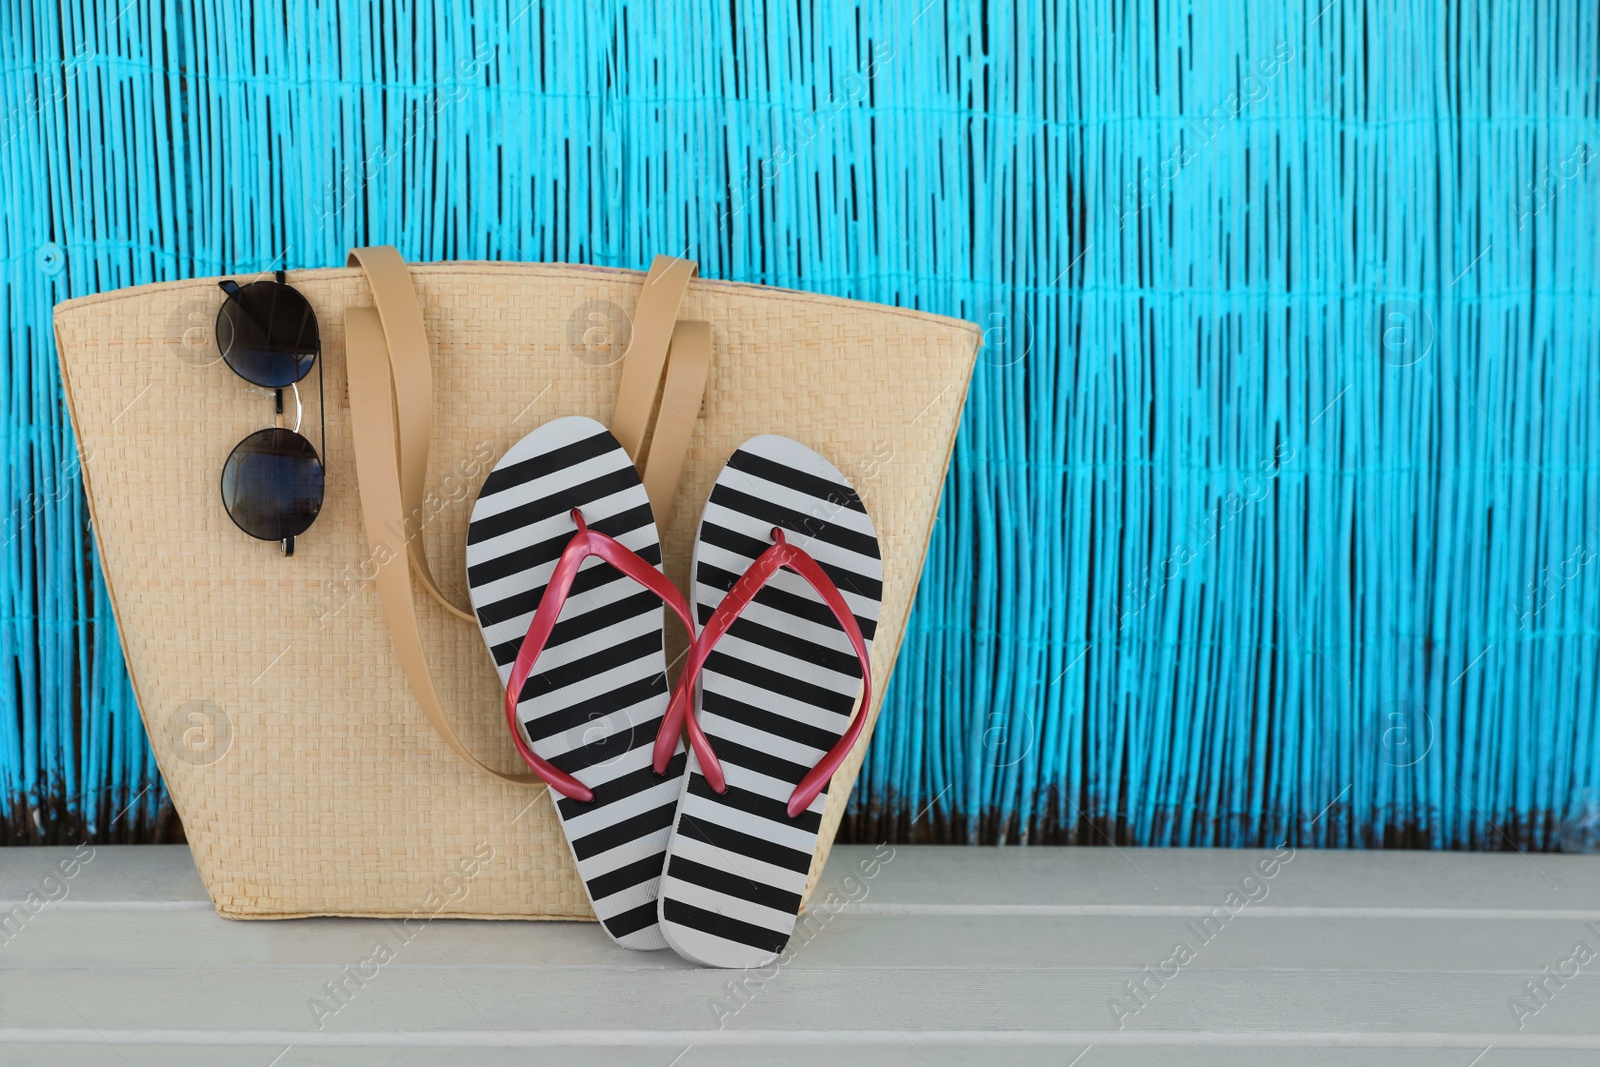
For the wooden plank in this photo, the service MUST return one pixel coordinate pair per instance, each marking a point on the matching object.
(120, 874)
(998, 878)
(933, 956)
(1051, 1003)
(904, 1055)
(170, 939)
(1126, 880)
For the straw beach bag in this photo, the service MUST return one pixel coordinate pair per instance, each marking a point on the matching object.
(312, 773)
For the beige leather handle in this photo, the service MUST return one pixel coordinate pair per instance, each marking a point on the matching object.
(391, 413)
(646, 357)
(682, 350)
(377, 368)
(688, 367)
(403, 335)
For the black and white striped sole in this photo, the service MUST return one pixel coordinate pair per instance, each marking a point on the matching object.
(775, 694)
(598, 692)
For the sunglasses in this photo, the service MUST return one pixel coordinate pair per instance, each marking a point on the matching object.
(272, 481)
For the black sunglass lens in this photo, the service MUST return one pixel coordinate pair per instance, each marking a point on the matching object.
(268, 334)
(272, 484)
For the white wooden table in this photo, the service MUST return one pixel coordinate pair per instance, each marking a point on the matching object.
(945, 956)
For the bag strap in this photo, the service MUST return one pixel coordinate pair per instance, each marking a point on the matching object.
(390, 378)
(407, 344)
(378, 358)
(646, 357)
(688, 367)
(681, 351)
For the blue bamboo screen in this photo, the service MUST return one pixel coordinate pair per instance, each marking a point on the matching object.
(1275, 505)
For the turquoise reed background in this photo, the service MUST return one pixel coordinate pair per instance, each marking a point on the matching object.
(1274, 510)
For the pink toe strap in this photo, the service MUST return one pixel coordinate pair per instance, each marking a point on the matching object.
(780, 555)
(584, 543)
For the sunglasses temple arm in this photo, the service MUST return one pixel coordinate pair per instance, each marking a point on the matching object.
(322, 414)
(322, 404)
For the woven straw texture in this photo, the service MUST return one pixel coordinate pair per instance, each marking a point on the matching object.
(307, 779)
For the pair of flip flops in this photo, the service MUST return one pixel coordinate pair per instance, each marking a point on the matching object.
(706, 848)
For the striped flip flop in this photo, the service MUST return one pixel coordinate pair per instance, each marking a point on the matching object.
(564, 572)
(787, 586)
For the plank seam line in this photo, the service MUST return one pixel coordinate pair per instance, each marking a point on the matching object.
(646, 1038)
(1258, 911)
(1062, 911)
